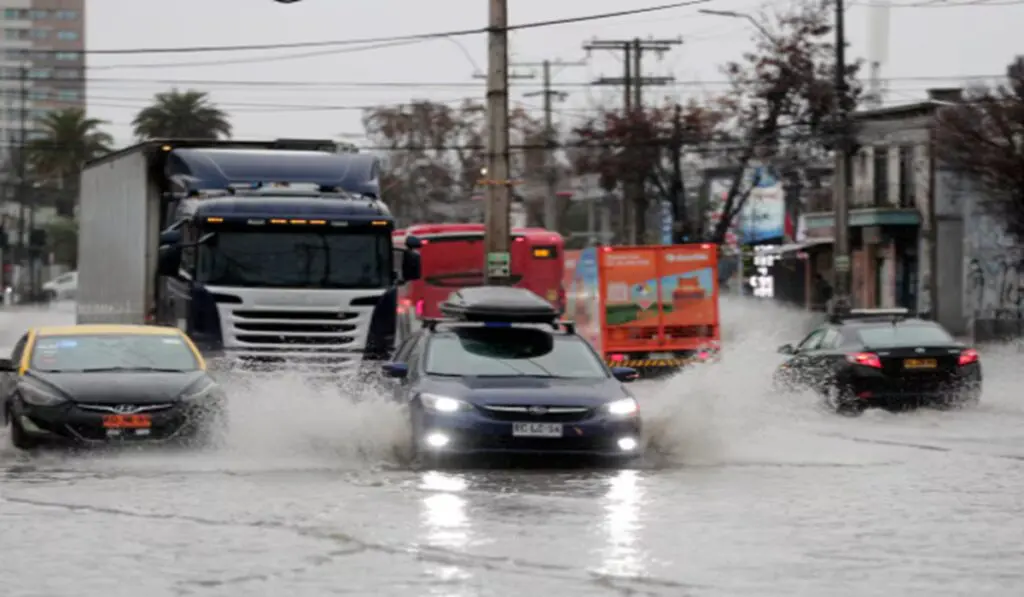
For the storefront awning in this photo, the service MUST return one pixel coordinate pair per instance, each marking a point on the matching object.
(794, 247)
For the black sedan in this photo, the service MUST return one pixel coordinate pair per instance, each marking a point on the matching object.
(882, 358)
(102, 384)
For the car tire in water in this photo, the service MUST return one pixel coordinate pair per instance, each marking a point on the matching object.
(842, 401)
(20, 439)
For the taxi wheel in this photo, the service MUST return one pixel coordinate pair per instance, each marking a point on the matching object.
(20, 439)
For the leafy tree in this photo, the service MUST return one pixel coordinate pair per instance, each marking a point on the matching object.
(62, 241)
(186, 114)
(436, 157)
(70, 138)
(983, 137)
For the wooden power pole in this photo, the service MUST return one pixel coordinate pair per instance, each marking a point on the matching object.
(550, 96)
(633, 221)
(497, 232)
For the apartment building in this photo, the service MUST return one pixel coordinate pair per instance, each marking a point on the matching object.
(41, 51)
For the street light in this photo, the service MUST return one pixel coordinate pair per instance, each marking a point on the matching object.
(739, 15)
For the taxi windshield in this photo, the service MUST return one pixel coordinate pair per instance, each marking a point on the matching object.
(112, 352)
(511, 352)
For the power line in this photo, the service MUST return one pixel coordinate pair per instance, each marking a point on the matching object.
(396, 38)
(333, 85)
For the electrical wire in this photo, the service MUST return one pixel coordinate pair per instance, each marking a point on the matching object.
(395, 38)
(334, 85)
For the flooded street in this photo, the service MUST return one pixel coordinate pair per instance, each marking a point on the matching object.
(748, 493)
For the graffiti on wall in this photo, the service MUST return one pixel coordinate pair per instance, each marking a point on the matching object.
(993, 269)
(994, 285)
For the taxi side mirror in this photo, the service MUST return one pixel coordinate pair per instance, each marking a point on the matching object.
(787, 349)
(6, 365)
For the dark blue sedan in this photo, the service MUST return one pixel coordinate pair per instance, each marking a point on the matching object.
(479, 387)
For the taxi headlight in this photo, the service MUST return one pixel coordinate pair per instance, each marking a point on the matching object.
(443, 404)
(625, 407)
(37, 396)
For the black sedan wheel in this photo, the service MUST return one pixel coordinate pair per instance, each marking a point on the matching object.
(842, 401)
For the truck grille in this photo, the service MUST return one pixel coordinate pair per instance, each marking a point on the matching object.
(320, 329)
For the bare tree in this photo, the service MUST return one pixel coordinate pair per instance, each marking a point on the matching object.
(782, 98)
(983, 137)
(436, 156)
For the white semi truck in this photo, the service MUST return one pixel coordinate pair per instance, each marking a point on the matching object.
(263, 252)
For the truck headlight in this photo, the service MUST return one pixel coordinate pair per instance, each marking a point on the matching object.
(37, 396)
(625, 407)
(443, 404)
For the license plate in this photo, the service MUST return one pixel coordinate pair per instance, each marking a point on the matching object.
(536, 430)
(127, 422)
(920, 364)
(662, 355)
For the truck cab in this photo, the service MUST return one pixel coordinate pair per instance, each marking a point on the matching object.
(275, 255)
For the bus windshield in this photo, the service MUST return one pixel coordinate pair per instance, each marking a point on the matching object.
(296, 259)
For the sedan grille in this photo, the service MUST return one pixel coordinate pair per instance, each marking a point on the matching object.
(539, 413)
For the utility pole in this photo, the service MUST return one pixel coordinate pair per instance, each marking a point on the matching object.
(633, 82)
(843, 171)
(499, 188)
(22, 189)
(551, 138)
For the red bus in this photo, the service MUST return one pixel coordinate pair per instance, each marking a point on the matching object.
(452, 257)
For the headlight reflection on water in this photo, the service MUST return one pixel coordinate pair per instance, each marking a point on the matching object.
(447, 526)
(622, 554)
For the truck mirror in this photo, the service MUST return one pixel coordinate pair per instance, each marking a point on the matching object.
(413, 242)
(170, 237)
(410, 266)
(169, 260)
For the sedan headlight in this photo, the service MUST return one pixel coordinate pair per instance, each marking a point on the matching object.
(38, 396)
(625, 407)
(443, 404)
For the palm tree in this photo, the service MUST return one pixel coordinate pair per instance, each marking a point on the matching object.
(69, 139)
(183, 115)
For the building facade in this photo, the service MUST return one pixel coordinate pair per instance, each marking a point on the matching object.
(42, 61)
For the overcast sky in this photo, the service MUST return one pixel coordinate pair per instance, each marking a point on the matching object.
(927, 39)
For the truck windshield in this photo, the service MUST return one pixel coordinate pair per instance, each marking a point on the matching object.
(306, 259)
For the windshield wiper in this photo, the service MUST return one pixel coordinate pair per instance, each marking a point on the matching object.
(141, 368)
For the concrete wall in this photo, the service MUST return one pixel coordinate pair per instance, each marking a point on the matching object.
(992, 274)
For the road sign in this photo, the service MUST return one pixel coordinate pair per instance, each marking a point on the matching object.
(499, 265)
(841, 263)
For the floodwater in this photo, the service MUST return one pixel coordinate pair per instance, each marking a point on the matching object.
(746, 493)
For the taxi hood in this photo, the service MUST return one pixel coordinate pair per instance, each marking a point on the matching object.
(119, 387)
(521, 391)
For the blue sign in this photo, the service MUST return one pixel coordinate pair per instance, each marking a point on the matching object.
(666, 223)
(763, 216)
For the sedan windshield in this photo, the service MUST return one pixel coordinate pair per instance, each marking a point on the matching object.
(511, 352)
(112, 352)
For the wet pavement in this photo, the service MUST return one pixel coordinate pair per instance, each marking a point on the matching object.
(747, 493)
